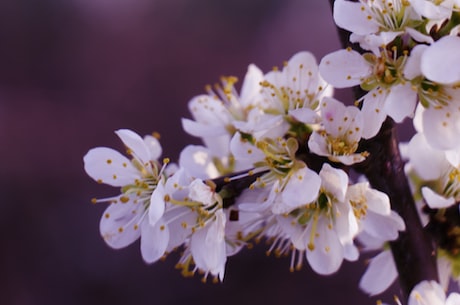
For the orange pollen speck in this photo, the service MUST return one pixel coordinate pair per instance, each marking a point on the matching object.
(156, 135)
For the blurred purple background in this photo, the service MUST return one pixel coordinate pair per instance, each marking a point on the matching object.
(72, 72)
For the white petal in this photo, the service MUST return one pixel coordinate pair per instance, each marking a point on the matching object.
(297, 235)
(348, 159)
(198, 162)
(106, 165)
(380, 274)
(318, 144)
(257, 200)
(180, 222)
(430, 10)
(344, 68)
(119, 225)
(418, 36)
(218, 146)
(332, 114)
(373, 42)
(427, 162)
(301, 75)
(427, 292)
(250, 90)
(199, 129)
(439, 58)
(302, 188)
(351, 252)
(157, 204)
(334, 181)
(208, 247)
(453, 157)
(377, 202)
(341, 121)
(304, 115)
(154, 147)
(200, 192)
(243, 149)
(369, 243)
(346, 224)
(418, 118)
(260, 124)
(380, 226)
(305, 59)
(453, 299)
(442, 127)
(412, 68)
(373, 112)
(154, 241)
(350, 16)
(400, 102)
(177, 185)
(436, 201)
(327, 255)
(209, 111)
(135, 143)
(370, 42)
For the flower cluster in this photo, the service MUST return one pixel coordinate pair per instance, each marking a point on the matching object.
(276, 155)
(273, 135)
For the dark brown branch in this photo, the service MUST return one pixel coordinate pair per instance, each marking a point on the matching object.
(231, 188)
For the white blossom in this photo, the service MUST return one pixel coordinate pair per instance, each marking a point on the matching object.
(378, 22)
(389, 93)
(127, 217)
(340, 133)
(291, 94)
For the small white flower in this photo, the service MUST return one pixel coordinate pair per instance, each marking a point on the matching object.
(342, 129)
(201, 192)
(216, 112)
(127, 217)
(372, 210)
(389, 93)
(378, 22)
(291, 94)
(324, 228)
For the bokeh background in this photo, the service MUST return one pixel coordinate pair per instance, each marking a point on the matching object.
(72, 72)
